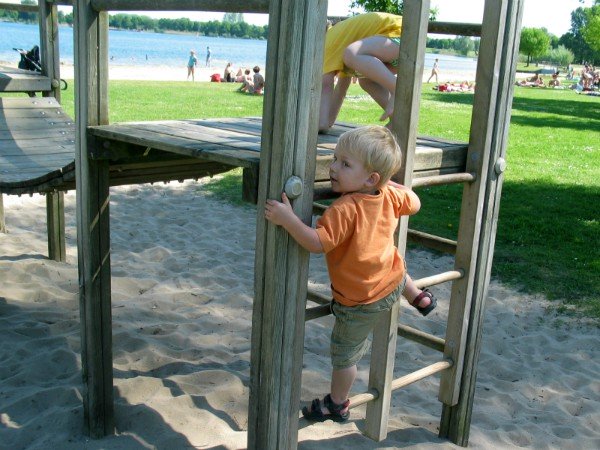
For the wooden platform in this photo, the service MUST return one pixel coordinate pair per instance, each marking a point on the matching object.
(37, 149)
(19, 80)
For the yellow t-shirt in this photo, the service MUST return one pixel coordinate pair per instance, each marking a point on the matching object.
(344, 33)
(357, 234)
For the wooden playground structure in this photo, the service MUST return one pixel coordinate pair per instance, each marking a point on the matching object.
(43, 151)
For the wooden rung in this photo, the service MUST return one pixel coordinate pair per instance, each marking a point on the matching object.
(421, 373)
(318, 208)
(365, 397)
(431, 241)
(439, 278)
(444, 179)
(317, 297)
(372, 394)
(420, 337)
(318, 311)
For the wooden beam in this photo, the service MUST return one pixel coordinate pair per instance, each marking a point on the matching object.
(2, 219)
(431, 241)
(459, 29)
(404, 126)
(421, 337)
(288, 147)
(246, 6)
(93, 235)
(18, 7)
(456, 418)
(49, 46)
(55, 222)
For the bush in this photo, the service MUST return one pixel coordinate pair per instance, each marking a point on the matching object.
(560, 56)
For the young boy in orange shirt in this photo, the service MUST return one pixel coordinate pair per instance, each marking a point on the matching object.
(357, 235)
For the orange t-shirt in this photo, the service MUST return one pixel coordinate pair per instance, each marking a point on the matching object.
(357, 234)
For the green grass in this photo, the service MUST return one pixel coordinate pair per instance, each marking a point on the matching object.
(548, 239)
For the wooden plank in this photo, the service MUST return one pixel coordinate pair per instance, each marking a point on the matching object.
(456, 420)
(182, 146)
(10, 113)
(22, 123)
(24, 135)
(289, 141)
(23, 81)
(28, 102)
(55, 221)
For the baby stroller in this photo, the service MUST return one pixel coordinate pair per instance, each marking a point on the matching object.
(30, 60)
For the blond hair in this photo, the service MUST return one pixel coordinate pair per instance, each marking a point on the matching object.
(376, 147)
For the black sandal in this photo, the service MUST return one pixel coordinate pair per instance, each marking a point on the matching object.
(425, 309)
(335, 411)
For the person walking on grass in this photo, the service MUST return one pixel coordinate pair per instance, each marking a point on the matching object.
(191, 65)
(356, 233)
(434, 72)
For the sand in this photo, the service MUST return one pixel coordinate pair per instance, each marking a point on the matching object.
(182, 284)
(202, 74)
(182, 287)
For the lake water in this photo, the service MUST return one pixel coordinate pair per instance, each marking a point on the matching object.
(159, 49)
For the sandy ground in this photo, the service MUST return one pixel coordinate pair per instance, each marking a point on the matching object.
(182, 284)
(202, 74)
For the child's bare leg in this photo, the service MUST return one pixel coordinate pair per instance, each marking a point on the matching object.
(341, 383)
(368, 57)
(339, 94)
(377, 92)
(327, 87)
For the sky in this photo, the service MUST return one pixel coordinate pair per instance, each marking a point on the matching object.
(554, 15)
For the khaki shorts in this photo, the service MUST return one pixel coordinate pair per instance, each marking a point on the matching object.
(353, 324)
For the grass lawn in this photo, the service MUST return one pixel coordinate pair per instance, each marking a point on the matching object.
(548, 239)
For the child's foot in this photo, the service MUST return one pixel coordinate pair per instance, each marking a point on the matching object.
(329, 410)
(425, 302)
(389, 109)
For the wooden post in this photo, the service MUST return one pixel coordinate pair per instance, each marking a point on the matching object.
(93, 238)
(49, 49)
(500, 43)
(289, 140)
(404, 124)
(250, 177)
(2, 221)
(55, 222)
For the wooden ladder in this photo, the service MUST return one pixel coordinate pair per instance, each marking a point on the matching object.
(482, 180)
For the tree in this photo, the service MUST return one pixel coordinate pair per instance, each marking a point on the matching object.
(534, 42)
(575, 41)
(464, 45)
(233, 17)
(388, 6)
(591, 30)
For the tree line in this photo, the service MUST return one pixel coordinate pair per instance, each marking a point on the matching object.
(233, 25)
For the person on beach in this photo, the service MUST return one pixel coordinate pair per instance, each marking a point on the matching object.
(191, 65)
(434, 72)
(365, 46)
(208, 56)
(247, 82)
(258, 81)
(356, 233)
(228, 73)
